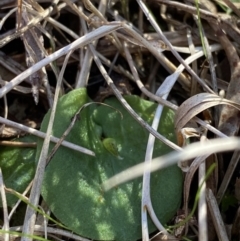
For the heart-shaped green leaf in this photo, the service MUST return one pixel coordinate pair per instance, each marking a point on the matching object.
(18, 167)
(72, 183)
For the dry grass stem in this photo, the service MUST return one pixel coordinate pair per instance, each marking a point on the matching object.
(187, 153)
(5, 208)
(216, 216)
(43, 135)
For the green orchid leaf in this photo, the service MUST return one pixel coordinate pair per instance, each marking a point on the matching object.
(18, 167)
(72, 183)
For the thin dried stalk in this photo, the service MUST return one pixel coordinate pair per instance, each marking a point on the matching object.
(229, 119)
(30, 216)
(40, 229)
(5, 209)
(187, 153)
(98, 33)
(175, 53)
(202, 205)
(33, 41)
(228, 175)
(216, 216)
(31, 24)
(19, 201)
(43, 136)
(146, 199)
(126, 105)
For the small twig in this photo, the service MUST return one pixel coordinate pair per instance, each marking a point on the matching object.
(19, 13)
(209, 127)
(18, 144)
(43, 135)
